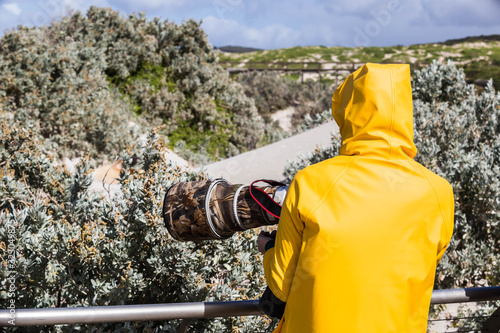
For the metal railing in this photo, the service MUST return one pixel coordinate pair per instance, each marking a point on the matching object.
(147, 312)
(339, 70)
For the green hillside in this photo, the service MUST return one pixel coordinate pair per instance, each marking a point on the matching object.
(478, 56)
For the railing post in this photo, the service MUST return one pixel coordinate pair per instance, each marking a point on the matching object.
(336, 76)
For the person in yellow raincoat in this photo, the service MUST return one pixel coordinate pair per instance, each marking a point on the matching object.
(360, 234)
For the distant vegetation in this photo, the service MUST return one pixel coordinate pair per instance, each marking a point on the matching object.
(237, 49)
(273, 93)
(478, 56)
(473, 39)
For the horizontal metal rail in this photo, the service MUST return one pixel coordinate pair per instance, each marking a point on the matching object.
(295, 65)
(128, 313)
(446, 296)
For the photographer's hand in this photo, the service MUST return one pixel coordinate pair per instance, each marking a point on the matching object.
(263, 239)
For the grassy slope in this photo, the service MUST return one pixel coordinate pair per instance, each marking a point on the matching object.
(479, 56)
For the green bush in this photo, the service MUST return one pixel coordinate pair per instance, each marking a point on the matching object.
(82, 81)
(61, 91)
(272, 92)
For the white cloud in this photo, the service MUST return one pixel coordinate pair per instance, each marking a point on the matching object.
(13, 8)
(229, 32)
(145, 5)
(280, 23)
(356, 8)
(459, 13)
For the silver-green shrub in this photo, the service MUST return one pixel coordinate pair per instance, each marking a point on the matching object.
(80, 81)
(61, 91)
(310, 122)
(270, 91)
(457, 134)
(89, 86)
(76, 247)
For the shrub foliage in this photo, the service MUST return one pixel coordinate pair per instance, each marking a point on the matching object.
(75, 247)
(88, 87)
(81, 81)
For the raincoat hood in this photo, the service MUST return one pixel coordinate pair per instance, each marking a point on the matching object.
(374, 111)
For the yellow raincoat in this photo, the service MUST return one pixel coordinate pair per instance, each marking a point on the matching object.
(360, 234)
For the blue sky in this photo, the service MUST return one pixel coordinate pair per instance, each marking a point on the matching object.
(277, 24)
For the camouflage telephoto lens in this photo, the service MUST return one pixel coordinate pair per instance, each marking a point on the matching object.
(214, 209)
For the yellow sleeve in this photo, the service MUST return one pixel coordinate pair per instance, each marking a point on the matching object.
(449, 216)
(280, 262)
